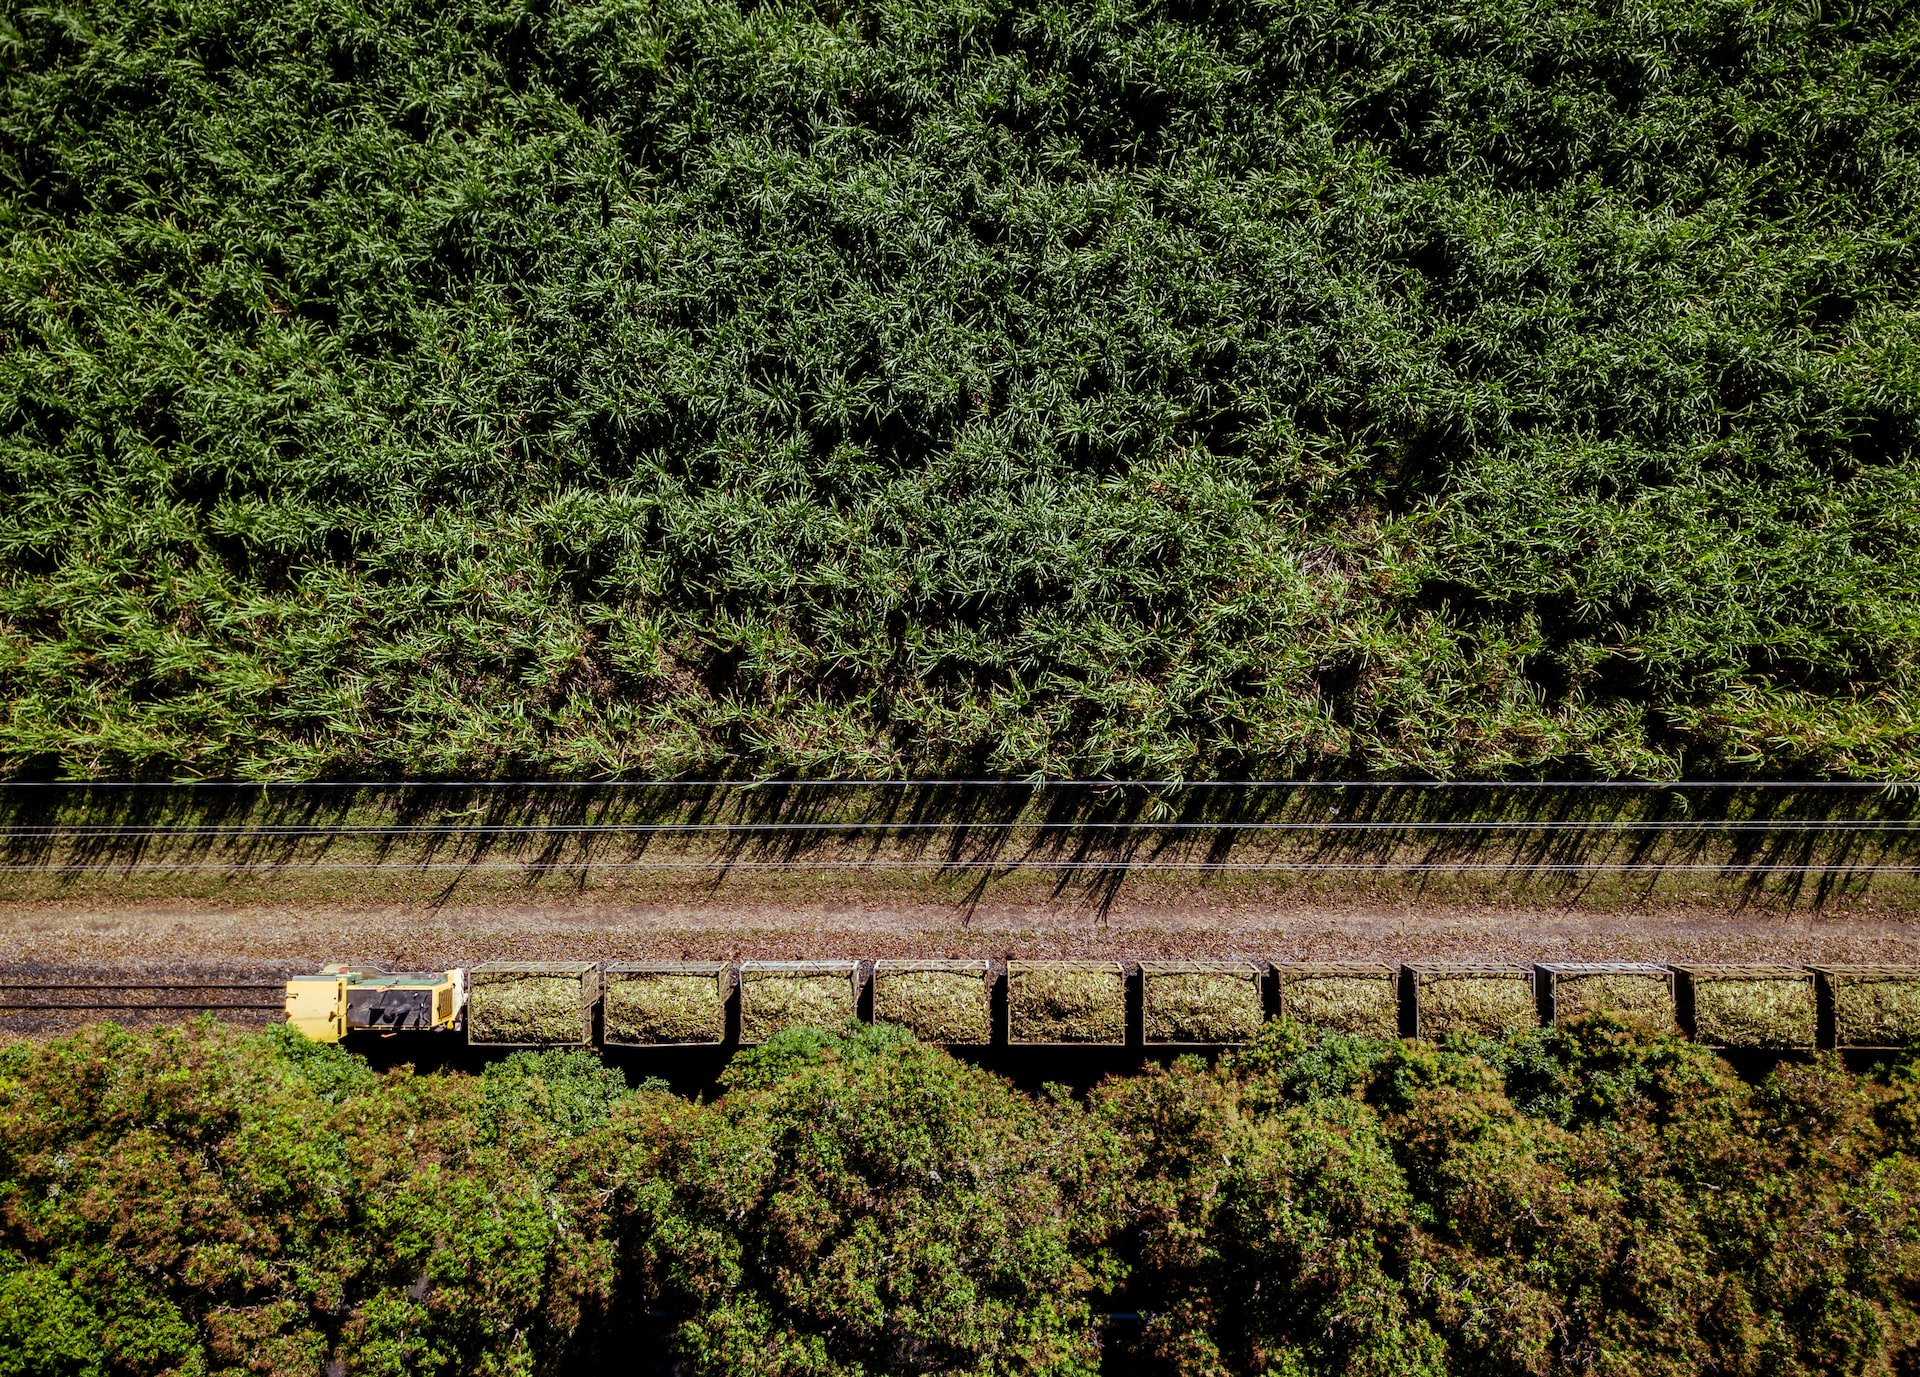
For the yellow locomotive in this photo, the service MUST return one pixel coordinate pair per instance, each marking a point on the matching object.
(343, 999)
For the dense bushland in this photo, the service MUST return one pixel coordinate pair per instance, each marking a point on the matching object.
(1588, 1200)
(914, 386)
(208, 1202)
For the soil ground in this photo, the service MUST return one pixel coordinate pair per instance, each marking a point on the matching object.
(194, 888)
(108, 938)
(128, 937)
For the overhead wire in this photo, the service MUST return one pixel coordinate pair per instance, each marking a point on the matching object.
(307, 831)
(1098, 784)
(191, 833)
(563, 866)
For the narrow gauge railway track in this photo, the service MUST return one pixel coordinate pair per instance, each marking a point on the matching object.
(726, 850)
(1574, 868)
(191, 832)
(187, 996)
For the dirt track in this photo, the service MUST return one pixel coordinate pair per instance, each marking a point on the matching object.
(434, 876)
(137, 934)
(91, 938)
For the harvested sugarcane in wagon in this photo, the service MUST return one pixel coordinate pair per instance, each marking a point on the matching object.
(1066, 1001)
(1874, 1007)
(1762, 1007)
(665, 1003)
(1633, 992)
(1479, 1001)
(1201, 1001)
(1361, 998)
(778, 995)
(938, 1001)
(532, 1003)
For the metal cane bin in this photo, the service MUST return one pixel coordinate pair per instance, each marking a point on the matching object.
(1488, 1001)
(1357, 997)
(778, 995)
(1756, 1007)
(532, 1003)
(1201, 1002)
(1631, 990)
(1875, 1008)
(939, 1001)
(1078, 1002)
(665, 1003)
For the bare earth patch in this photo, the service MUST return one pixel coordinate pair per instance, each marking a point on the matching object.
(94, 937)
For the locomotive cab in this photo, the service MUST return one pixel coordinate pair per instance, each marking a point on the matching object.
(317, 1006)
(343, 999)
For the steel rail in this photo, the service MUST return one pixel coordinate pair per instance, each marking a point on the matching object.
(6, 1008)
(1096, 784)
(1302, 867)
(76, 990)
(9, 986)
(88, 831)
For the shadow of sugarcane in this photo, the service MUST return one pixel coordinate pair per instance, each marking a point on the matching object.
(1800, 845)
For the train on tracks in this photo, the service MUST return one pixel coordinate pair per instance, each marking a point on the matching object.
(1110, 1003)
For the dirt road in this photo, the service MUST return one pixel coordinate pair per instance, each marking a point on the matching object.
(92, 939)
(151, 934)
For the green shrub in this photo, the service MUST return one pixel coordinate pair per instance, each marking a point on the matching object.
(861, 1202)
(1266, 1239)
(1586, 1198)
(206, 1201)
(1591, 1197)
